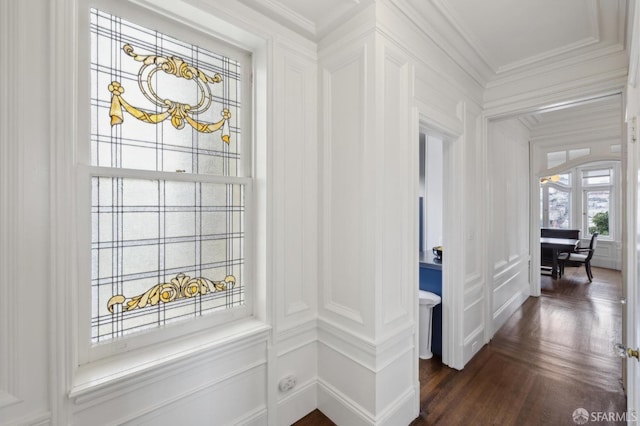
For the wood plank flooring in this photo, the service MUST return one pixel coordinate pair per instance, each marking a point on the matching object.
(554, 355)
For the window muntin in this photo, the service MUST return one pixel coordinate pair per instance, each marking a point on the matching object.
(168, 201)
(597, 207)
(596, 177)
(597, 193)
(136, 144)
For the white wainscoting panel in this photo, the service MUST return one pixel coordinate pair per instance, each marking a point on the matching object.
(346, 285)
(295, 188)
(395, 253)
(24, 213)
(176, 385)
(508, 210)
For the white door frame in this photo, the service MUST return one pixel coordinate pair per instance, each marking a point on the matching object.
(452, 283)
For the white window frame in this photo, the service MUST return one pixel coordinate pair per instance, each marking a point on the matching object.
(87, 352)
(545, 198)
(578, 201)
(611, 187)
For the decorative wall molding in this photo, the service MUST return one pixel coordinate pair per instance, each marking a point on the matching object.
(301, 401)
(10, 184)
(207, 393)
(341, 282)
(290, 16)
(372, 355)
(340, 407)
(436, 25)
(557, 95)
(344, 410)
(398, 171)
(110, 378)
(34, 419)
(296, 336)
(295, 177)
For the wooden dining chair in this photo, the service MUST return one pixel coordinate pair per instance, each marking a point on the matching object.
(580, 255)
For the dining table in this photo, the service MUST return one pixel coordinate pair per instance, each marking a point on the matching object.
(557, 245)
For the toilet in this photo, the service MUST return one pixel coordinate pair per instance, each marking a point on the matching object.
(427, 301)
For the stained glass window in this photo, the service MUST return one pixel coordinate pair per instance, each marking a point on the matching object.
(168, 188)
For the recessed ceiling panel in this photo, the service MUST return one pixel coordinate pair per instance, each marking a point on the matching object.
(311, 17)
(509, 33)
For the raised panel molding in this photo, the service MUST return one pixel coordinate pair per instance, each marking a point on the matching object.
(171, 383)
(372, 355)
(295, 200)
(210, 400)
(10, 185)
(342, 148)
(395, 252)
(220, 361)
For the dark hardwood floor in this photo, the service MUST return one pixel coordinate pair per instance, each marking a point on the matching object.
(554, 355)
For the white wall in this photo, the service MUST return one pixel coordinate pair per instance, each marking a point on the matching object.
(369, 178)
(213, 377)
(336, 298)
(367, 303)
(508, 247)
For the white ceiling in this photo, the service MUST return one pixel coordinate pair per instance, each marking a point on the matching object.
(507, 35)
(510, 35)
(311, 18)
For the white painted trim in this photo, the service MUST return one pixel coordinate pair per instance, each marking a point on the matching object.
(372, 355)
(450, 41)
(10, 218)
(452, 287)
(503, 313)
(64, 66)
(343, 410)
(63, 308)
(631, 253)
(634, 47)
(302, 400)
(558, 96)
(534, 226)
(289, 15)
(43, 418)
(340, 408)
(585, 42)
(155, 410)
(109, 378)
(452, 272)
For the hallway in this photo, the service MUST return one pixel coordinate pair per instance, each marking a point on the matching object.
(554, 355)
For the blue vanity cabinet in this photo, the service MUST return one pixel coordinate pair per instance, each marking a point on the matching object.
(431, 280)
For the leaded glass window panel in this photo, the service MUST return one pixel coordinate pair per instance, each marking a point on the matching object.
(120, 50)
(167, 185)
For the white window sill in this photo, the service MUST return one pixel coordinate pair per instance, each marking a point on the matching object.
(96, 379)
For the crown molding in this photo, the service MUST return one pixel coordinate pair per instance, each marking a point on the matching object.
(556, 65)
(549, 54)
(284, 14)
(448, 14)
(434, 25)
(559, 96)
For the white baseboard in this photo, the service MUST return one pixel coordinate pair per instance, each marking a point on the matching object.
(505, 311)
(300, 402)
(343, 411)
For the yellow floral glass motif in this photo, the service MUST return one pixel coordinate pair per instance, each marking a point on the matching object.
(180, 287)
(178, 112)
